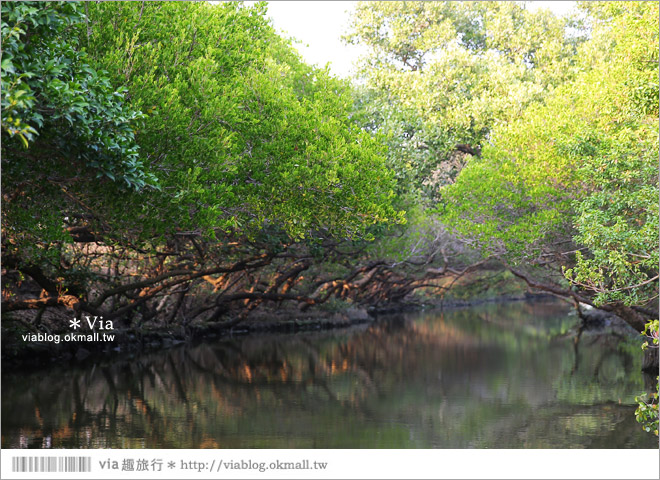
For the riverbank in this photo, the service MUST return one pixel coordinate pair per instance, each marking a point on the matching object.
(17, 351)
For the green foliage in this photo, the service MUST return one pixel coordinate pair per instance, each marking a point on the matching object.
(243, 136)
(237, 136)
(49, 90)
(503, 212)
(647, 410)
(651, 333)
(441, 74)
(68, 136)
(582, 166)
(618, 220)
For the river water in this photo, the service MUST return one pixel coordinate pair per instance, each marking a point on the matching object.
(493, 376)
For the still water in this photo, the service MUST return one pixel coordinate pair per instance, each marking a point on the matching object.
(494, 376)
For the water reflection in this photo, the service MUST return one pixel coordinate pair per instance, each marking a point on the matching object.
(498, 376)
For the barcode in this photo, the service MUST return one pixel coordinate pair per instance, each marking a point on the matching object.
(51, 464)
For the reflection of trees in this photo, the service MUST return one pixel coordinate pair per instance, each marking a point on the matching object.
(443, 381)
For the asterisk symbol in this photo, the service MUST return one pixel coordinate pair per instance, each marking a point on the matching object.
(171, 465)
(75, 323)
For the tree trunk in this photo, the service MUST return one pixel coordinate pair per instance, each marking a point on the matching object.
(650, 361)
(631, 317)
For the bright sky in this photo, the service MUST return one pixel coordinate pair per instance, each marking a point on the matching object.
(320, 24)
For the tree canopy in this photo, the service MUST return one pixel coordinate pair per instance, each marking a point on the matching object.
(164, 132)
(185, 150)
(53, 99)
(441, 75)
(241, 134)
(532, 138)
(580, 167)
(207, 122)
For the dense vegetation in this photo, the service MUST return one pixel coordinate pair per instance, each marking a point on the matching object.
(531, 139)
(575, 177)
(534, 146)
(177, 163)
(219, 153)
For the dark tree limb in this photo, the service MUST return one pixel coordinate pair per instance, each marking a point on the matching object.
(68, 301)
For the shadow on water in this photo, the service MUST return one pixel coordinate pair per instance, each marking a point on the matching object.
(496, 376)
